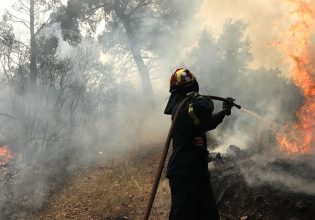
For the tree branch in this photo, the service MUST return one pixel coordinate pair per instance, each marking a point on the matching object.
(141, 4)
(124, 6)
(45, 24)
(20, 22)
(96, 8)
(26, 7)
(3, 41)
(7, 115)
(20, 19)
(20, 42)
(5, 71)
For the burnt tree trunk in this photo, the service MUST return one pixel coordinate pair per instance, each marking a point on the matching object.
(136, 53)
(33, 53)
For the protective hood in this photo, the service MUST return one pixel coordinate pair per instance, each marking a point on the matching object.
(172, 101)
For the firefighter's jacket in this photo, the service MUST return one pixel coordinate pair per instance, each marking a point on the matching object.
(190, 154)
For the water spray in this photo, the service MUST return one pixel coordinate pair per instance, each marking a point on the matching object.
(263, 121)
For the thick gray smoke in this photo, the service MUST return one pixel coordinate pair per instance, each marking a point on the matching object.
(89, 97)
(222, 63)
(53, 130)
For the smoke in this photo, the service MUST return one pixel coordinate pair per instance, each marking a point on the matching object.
(228, 45)
(93, 100)
(54, 130)
(265, 23)
(295, 174)
(265, 91)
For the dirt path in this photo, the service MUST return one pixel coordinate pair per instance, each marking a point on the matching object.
(117, 189)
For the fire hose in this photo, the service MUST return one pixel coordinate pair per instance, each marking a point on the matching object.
(166, 148)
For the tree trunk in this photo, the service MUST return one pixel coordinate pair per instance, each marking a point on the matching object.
(134, 48)
(33, 57)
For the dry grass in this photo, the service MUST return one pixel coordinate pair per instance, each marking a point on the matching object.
(112, 190)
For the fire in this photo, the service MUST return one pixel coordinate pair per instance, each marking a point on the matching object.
(5, 155)
(297, 45)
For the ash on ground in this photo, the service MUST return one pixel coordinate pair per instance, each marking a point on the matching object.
(247, 189)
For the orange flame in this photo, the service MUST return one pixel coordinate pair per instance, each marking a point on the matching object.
(5, 155)
(299, 137)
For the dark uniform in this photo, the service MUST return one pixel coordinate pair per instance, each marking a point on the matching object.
(189, 177)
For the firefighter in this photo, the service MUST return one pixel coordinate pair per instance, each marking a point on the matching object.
(187, 170)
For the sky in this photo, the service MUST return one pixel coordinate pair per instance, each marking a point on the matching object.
(5, 4)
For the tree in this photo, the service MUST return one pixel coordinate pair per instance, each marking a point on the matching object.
(126, 14)
(33, 24)
(222, 63)
(222, 60)
(13, 56)
(149, 27)
(33, 50)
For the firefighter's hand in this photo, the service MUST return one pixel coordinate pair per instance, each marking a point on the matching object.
(192, 95)
(227, 106)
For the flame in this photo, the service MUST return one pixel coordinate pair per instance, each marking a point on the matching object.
(5, 155)
(296, 46)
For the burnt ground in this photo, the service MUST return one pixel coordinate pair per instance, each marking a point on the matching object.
(119, 189)
(237, 200)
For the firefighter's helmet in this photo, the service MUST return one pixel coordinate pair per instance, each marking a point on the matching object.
(183, 81)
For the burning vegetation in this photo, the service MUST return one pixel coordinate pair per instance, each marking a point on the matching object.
(298, 47)
(5, 155)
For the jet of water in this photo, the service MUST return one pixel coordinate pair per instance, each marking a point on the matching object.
(262, 120)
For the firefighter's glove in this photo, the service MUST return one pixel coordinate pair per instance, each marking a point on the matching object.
(227, 105)
(192, 95)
